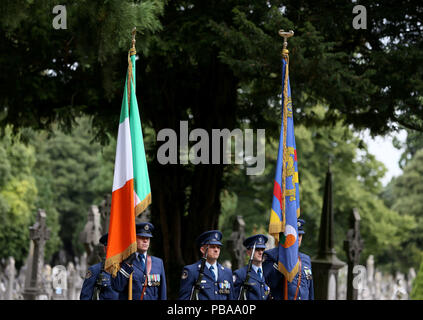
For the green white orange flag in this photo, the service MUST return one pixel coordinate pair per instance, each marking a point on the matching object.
(131, 185)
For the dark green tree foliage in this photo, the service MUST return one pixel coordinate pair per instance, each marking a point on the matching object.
(407, 190)
(53, 75)
(74, 175)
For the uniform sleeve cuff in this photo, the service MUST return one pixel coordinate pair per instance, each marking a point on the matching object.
(126, 270)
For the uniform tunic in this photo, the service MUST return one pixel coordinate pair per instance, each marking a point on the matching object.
(156, 283)
(306, 289)
(258, 289)
(106, 291)
(222, 289)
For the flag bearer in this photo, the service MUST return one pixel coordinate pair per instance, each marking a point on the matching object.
(301, 288)
(148, 274)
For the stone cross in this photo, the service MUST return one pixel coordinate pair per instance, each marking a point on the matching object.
(235, 247)
(91, 234)
(39, 234)
(353, 247)
(105, 208)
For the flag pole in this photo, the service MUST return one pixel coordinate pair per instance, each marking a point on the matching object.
(132, 51)
(285, 55)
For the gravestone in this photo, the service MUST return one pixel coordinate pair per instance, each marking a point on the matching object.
(59, 282)
(235, 247)
(378, 286)
(91, 233)
(410, 278)
(39, 234)
(105, 207)
(71, 278)
(10, 275)
(353, 246)
(46, 281)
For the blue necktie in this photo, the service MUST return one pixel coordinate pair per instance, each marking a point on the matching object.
(141, 257)
(259, 273)
(212, 271)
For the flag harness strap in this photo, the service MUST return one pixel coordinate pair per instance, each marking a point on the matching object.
(146, 277)
(299, 280)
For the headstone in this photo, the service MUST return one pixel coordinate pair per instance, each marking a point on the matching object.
(91, 234)
(235, 247)
(378, 286)
(71, 278)
(353, 246)
(59, 282)
(105, 213)
(46, 281)
(10, 275)
(39, 234)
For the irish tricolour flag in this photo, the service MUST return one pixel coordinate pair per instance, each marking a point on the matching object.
(131, 184)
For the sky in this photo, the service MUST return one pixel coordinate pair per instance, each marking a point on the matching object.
(384, 151)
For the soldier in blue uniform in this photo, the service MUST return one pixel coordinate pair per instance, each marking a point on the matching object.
(148, 274)
(216, 283)
(257, 288)
(301, 287)
(97, 283)
(276, 280)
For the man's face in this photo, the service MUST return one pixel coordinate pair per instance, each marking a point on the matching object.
(213, 253)
(258, 254)
(143, 243)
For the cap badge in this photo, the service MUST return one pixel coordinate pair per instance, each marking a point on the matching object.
(216, 235)
(146, 227)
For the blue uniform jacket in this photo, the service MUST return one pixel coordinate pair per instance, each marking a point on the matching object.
(306, 289)
(156, 287)
(273, 277)
(106, 292)
(259, 290)
(222, 289)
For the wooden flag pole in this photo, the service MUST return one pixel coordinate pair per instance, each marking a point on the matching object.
(130, 287)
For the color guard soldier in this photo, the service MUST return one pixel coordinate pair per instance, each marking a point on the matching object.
(256, 288)
(301, 287)
(148, 274)
(98, 283)
(215, 280)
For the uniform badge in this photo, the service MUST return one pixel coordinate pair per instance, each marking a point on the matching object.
(88, 275)
(146, 227)
(184, 274)
(234, 278)
(216, 235)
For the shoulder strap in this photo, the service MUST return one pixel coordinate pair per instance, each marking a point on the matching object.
(299, 279)
(148, 269)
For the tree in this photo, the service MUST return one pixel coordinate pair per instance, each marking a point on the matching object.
(215, 65)
(407, 189)
(19, 199)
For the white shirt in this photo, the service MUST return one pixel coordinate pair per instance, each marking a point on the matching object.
(255, 268)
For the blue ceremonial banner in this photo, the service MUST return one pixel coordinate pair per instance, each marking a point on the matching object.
(286, 197)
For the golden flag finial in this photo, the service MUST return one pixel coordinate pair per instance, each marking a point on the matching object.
(285, 35)
(132, 50)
